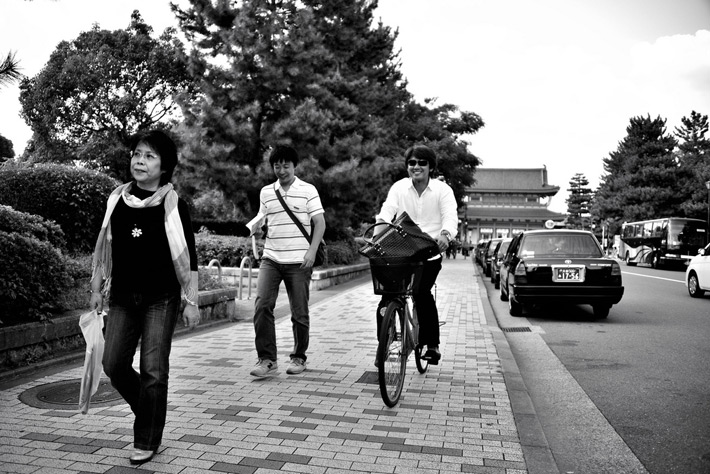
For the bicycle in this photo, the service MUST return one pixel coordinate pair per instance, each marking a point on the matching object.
(399, 330)
(396, 258)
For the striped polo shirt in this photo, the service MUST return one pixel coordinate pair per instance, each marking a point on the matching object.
(285, 242)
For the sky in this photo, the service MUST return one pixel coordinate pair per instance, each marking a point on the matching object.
(555, 81)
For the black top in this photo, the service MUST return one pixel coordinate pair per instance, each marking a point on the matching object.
(140, 249)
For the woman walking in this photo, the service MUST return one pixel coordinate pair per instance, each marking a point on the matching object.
(144, 261)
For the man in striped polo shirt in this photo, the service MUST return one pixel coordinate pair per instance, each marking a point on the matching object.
(287, 257)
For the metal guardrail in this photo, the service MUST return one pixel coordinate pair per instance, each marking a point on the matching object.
(246, 261)
(219, 268)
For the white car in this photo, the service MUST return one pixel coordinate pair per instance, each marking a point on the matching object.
(697, 275)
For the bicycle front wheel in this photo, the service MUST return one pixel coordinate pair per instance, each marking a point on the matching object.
(392, 353)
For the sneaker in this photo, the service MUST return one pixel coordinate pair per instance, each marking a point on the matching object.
(296, 366)
(265, 368)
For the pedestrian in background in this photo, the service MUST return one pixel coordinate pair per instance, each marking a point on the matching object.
(144, 260)
(432, 206)
(287, 257)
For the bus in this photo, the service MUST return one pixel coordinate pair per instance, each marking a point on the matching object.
(659, 242)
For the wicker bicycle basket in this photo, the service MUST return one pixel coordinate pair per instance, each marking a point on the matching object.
(393, 278)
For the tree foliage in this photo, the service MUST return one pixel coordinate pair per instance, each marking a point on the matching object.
(320, 76)
(99, 89)
(641, 180)
(6, 149)
(9, 69)
(579, 202)
(694, 158)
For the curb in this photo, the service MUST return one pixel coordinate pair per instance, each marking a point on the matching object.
(536, 450)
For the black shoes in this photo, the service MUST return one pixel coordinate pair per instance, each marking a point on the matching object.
(432, 355)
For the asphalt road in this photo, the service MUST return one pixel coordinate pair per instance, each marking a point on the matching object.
(645, 369)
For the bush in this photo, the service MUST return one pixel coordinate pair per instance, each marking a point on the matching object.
(206, 281)
(342, 253)
(232, 228)
(33, 273)
(74, 198)
(31, 226)
(227, 250)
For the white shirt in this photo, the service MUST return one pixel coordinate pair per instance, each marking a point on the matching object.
(285, 242)
(434, 211)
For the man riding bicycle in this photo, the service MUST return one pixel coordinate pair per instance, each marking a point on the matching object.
(432, 206)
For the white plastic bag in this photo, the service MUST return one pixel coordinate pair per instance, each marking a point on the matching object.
(92, 325)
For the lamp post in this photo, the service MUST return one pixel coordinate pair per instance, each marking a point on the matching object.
(707, 185)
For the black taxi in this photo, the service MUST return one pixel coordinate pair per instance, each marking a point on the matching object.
(559, 266)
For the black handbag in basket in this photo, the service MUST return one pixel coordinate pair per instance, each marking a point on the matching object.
(321, 253)
(403, 241)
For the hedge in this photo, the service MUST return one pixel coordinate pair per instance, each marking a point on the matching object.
(218, 227)
(75, 198)
(229, 250)
(31, 226)
(32, 276)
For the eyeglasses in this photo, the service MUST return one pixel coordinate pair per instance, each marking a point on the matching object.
(418, 162)
(149, 156)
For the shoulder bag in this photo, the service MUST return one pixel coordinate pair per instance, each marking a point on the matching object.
(322, 253)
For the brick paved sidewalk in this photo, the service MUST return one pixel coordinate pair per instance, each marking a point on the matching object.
(329, 419)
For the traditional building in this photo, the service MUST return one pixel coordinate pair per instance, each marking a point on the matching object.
(506, 201)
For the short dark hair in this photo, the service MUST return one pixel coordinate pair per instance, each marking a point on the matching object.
(421, 152)
(164, 146)
(283, 153)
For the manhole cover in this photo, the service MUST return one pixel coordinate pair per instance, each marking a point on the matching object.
(64, 395)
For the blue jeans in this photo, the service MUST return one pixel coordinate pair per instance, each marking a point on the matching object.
(297, 281)
(150, 318)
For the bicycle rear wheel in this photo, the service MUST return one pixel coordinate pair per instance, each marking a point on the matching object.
(391, 353)
(422, 364)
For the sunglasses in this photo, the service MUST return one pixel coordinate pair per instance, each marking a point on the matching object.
(418, 162)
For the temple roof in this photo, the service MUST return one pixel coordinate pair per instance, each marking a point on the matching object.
(513, 180)
(512, 213)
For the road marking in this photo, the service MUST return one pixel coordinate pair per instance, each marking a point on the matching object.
(657, 278)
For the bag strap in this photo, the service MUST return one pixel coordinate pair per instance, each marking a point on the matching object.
(290, 214)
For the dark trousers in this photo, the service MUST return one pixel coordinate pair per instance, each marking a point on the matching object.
(427, 313)
(152, 319)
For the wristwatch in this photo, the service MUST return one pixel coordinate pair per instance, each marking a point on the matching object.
(446, 234)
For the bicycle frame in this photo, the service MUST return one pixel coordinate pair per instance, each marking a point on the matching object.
(398, 338)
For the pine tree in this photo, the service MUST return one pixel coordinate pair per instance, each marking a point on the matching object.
(320, 76)
(579, 202)
(694, 158)
(9, 69)
(287, 72)
(641, 178)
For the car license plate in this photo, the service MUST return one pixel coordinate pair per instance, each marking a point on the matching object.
(568, 274)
